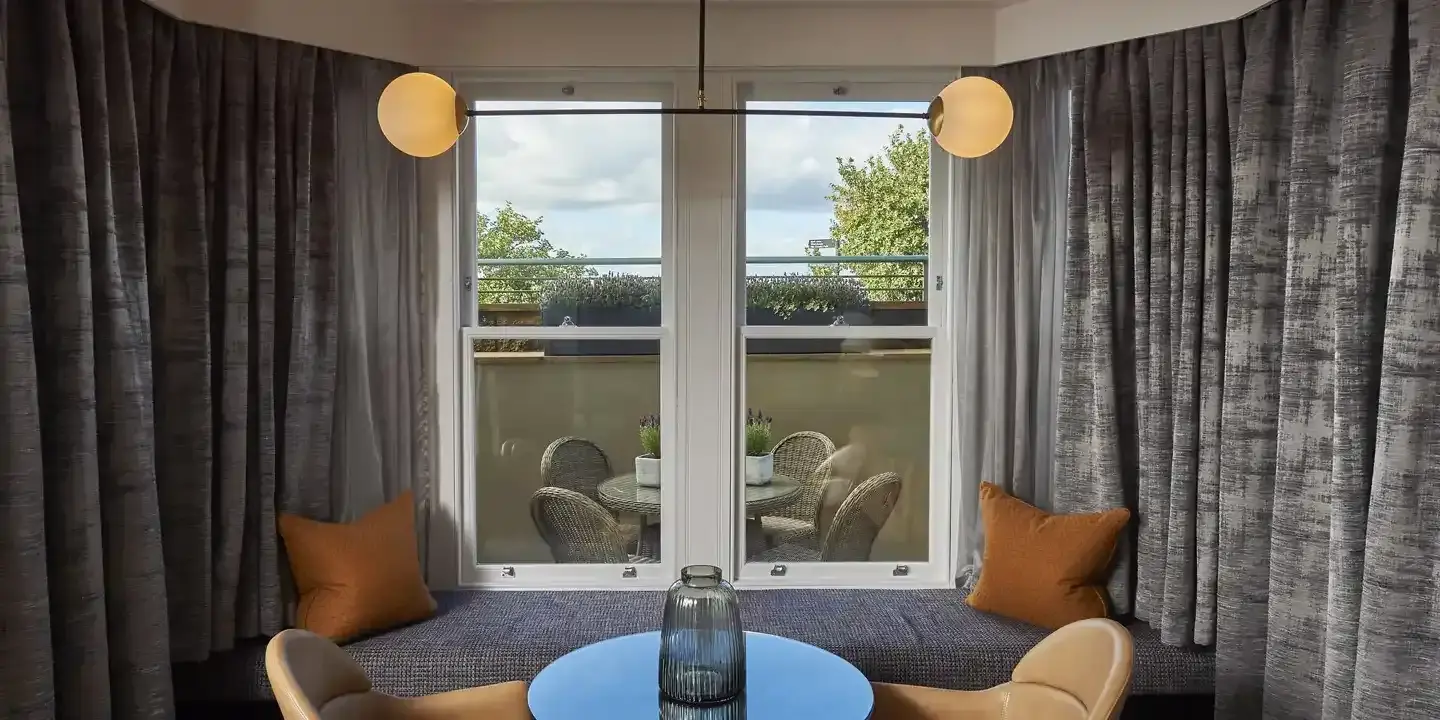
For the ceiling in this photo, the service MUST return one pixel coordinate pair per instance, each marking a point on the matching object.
(742, 34)
(713, 3)
(693, 3)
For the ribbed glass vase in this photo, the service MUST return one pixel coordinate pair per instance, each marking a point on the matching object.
(730, 710)
(702, 646)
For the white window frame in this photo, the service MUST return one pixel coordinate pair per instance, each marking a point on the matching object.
(938, 569)
(462, 501)
(702, 286)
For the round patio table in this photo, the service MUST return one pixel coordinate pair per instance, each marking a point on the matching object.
(619, 679)
(623, 494)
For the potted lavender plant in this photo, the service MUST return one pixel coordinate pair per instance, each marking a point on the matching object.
(647, 466)
(759, 461)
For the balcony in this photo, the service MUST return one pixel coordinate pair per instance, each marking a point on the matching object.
(554, 292)
(533, 392)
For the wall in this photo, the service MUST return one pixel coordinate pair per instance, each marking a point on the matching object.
(821, 33)
(176, 8)
(387, 29)
(523, 35)
(535, 400)
(1037, 28)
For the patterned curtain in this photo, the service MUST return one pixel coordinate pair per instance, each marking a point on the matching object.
(169, 316)
(1251, 347)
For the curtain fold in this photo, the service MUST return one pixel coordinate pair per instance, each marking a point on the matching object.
(387, 300)
(1010, 239)
(1145, 308)
(1250, 343)
(1398, 624)
(170, 326)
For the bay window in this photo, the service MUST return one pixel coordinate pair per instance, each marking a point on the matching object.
(702, 339)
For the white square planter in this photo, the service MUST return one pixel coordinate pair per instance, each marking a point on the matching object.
(647, 471)
(759, 469)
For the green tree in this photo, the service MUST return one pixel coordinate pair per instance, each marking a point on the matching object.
(882, 207)
(507, 233)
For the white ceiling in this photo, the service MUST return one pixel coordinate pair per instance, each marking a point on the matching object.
(695, 3)
(743, 34)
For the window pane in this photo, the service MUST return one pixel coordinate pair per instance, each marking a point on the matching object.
(568, 216)
(868, 497)
(566, 415)
(837, 216)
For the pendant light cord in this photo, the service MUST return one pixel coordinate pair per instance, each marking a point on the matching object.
(700, 65)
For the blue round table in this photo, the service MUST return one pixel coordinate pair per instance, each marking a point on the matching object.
(619, 679)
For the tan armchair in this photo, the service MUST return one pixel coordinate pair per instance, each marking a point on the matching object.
(313, 679)
(1079, 672)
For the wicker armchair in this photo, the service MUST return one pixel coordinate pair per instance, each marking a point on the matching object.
(851, 535)
(799, 523)
(575, 464)
(580, 465)
(578, 530)
(799, 455)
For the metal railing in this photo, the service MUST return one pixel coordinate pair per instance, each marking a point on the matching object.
(878, 286)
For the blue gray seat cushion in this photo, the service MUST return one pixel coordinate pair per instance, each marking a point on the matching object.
(920, 637)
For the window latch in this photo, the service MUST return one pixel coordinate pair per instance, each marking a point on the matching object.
(939, 282)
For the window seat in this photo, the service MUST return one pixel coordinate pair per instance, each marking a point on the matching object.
(921, 637)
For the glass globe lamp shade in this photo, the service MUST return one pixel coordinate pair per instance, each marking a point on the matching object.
(421, 115)
(971, 117)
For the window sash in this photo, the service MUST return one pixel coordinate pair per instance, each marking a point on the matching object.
(557, 576)
(472, 573)
(938, 569)
(544, 88)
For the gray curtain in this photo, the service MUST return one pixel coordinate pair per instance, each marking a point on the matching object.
(384, 400)
(169, 328)
(1010, 237)
(1251, 359)
(1144, 304)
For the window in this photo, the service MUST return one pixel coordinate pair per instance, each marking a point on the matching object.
(564, 349)
(618, 328)
(841, 328)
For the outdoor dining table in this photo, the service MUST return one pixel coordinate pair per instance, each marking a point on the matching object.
(623, 495)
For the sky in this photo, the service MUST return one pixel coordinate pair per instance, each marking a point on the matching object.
(596, 180)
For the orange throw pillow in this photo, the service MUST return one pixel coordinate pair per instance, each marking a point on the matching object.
(360, 577)
(1047, 570)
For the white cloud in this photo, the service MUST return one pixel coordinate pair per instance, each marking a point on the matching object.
(552, 162)
(791, 161)
(544, 163)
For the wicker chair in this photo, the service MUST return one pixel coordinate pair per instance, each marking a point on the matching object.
(578, 530)
(575, 464)
(580, 465)
(802, 456)
(850, 537)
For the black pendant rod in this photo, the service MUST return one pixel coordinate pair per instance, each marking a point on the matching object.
(700, 64)
(700, 108)
(698, 111)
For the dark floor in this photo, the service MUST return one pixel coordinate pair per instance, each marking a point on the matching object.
(1170, 707)
(1143, 707)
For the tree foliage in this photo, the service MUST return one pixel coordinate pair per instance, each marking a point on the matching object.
(507, 233)
(882, 207)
